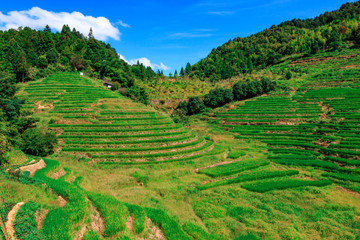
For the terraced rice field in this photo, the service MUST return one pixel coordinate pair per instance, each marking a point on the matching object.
(108, 128)
(318, 128)
(80, 207)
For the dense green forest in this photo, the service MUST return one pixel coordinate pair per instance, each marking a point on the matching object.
(33, 54)
(328, 31)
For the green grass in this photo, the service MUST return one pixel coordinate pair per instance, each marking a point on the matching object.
(253, 176)
(267, 186)
(114, 212)
(232, 168)
(310, 163)
(344, 177)
(25, 224)
(170, 227)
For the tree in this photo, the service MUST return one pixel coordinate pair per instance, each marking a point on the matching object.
(265, 84)
(240, 91)
(47, 29)
(78, 63)
(52, 56)
(218, 97)
(4, 148)
(182, 108)
(7, 87)
(252, 89)
(195, 106)
(43, 62)
(20, 66)
(12, 108)
(38, 142)
(175, 74)
(188, 69)
(91, 34)
(182, 72)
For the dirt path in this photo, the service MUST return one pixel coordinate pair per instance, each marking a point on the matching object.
(58, 174)
(9, 225)
(81, 233)
(32, 168)
(155, 232)
(130, 223)
(40, 217)
(97, 223)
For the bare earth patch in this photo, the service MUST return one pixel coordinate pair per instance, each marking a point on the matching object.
(62, 201)
(58, 174)
(348, 191)
(130, 223)
(81, 233)
(155, 232)
(97, 222)
(9, 225)
(40, 217)
(33, 167)
(73, 178)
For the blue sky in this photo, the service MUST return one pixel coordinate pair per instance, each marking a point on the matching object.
(163, 34)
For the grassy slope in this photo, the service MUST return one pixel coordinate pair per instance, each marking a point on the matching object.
(227, 211)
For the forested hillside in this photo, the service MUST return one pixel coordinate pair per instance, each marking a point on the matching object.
(32, 54)
(295, 38)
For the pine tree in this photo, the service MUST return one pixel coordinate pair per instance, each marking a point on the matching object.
(182, 72)
(91, 34)
(188, 68)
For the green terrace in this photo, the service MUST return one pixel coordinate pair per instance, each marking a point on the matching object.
(288, 125)
(111, 128)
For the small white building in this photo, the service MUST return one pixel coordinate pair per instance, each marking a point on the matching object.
(107, 83)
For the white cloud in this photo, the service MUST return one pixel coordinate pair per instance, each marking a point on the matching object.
(38, 18)
(146, 62)
(121, 23)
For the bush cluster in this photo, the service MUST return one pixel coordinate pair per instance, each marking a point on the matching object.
(219, 97)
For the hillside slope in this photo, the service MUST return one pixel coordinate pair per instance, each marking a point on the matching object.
(295, 38)
(106, 127)
(243, 193)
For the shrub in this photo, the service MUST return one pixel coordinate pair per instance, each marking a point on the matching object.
(195, 106)
(218, 97)
(38, 142)
(240, 91)
(25, 224)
